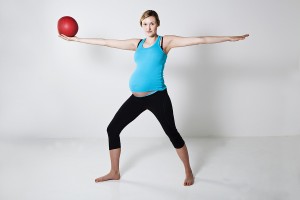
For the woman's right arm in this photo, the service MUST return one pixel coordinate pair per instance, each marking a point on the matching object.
(129, 44)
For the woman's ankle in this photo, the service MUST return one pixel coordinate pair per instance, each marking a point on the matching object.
(115, 171)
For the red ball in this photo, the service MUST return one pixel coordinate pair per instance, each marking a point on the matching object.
(67, 26)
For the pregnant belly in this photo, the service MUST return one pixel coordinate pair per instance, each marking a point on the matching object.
(141, 84)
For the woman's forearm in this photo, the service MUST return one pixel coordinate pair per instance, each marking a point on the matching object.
(95, 41)
(218, 39)
(215, 39)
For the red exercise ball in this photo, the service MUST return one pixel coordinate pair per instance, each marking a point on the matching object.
(67, 26)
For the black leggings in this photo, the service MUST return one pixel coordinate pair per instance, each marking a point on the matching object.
(158, 103)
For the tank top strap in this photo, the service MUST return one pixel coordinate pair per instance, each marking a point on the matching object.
(158, 39)
(141, 43)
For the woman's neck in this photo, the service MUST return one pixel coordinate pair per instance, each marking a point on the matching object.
(151, 39)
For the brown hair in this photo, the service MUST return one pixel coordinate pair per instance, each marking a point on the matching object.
(149, 13)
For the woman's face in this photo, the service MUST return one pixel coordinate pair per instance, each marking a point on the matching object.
(149, 25)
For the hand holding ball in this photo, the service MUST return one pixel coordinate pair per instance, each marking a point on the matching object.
(67, 26)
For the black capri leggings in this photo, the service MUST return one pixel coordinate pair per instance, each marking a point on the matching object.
(158, 103)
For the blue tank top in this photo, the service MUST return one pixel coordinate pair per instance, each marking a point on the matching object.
(148, 74)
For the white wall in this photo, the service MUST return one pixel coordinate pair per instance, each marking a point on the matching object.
(53, 88)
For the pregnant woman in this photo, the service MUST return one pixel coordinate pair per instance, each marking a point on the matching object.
(149, 91)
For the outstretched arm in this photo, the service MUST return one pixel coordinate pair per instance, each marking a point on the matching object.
(129, 44)
(172, 41)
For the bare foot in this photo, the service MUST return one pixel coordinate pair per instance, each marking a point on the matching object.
(110, 176)
(189, 179)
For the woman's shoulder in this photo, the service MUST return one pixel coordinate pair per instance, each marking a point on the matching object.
(168, 38)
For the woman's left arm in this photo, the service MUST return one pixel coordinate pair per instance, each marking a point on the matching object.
(172, 41)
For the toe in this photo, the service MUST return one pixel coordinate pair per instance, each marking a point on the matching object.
(97, 180)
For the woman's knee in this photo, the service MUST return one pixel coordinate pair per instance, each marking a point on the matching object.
(176, 139)
(177, 142)
(113, 137)
(111, 131)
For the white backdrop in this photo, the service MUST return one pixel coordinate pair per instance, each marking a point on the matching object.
(53, 88)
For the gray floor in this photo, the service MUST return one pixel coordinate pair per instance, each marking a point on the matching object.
(265, 168)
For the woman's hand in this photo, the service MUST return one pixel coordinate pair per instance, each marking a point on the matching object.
(68, 38)
(237, 38)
